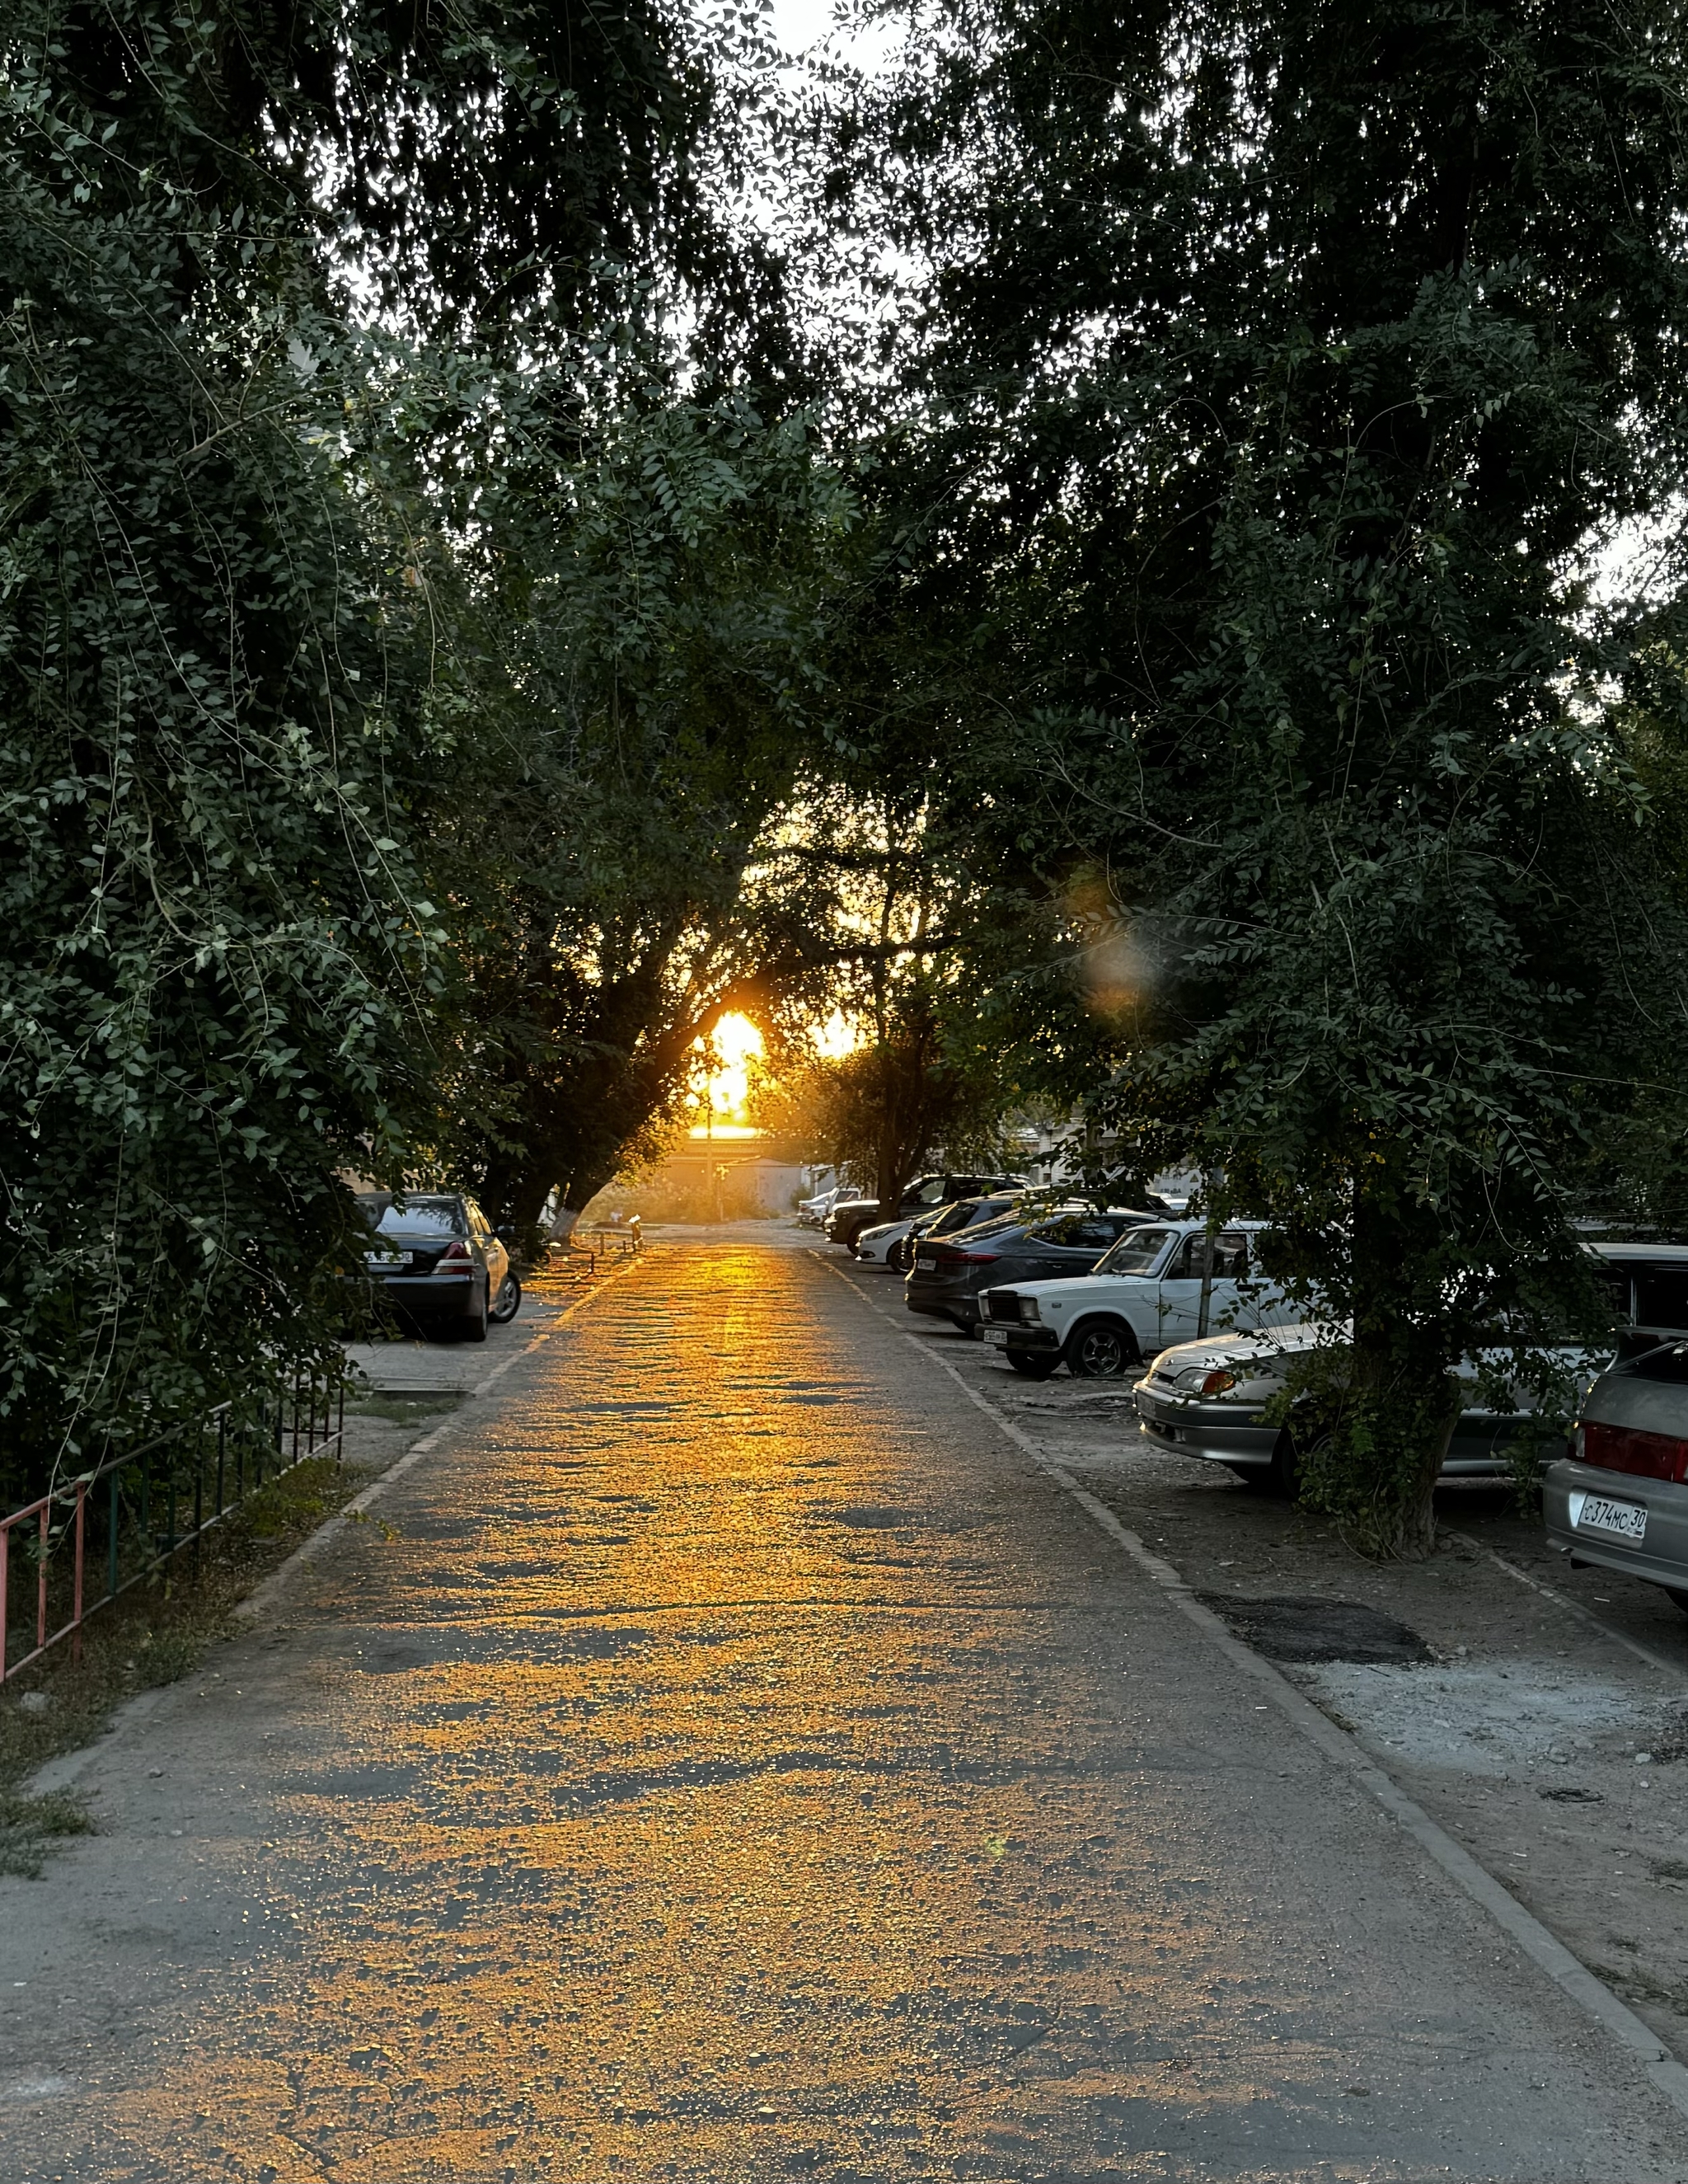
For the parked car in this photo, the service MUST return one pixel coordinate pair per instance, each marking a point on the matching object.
(892, 1243)
(1619, 1499)
(436, 1262)
(1205, 1399)
(948, 1273)
(850, 1216)
(1145, 1294)
(811, 1212)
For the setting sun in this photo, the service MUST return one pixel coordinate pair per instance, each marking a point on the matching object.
(737, 1043)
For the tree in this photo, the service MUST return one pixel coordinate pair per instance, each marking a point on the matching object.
(618, 875)
(237, 625)
(1285, 367)
(215, 931)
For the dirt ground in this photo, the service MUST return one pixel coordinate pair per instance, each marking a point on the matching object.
(1492, 1681)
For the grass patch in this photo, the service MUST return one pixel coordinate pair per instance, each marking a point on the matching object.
(30, 1826)
(400, 1410)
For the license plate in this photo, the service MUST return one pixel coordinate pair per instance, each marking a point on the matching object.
(999, 1335)
(1593, 1513)
(925, 1266)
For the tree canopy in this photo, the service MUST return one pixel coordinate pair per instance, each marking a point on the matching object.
(1281, 374)
(522, 522)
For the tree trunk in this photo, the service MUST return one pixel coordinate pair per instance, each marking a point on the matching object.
(578, 1194)
(1381, 1425)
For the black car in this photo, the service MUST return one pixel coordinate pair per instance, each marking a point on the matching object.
(964, 1214)
(849, 1216)
(436, 1262)
(949, 1272)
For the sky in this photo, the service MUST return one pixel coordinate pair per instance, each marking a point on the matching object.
(798, 23)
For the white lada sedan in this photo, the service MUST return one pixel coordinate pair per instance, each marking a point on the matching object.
(1142, 1296)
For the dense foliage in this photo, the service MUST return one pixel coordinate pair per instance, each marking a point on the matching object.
(619, 864)
(241, 660)
(213, 935)
(1281, 372)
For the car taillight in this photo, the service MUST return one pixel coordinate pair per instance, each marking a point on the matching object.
(458, 1250)
(974, 1258)
(1626, 1448)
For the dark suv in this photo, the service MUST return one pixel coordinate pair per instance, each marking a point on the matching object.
(850, 1216)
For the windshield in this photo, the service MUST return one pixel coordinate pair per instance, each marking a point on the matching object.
(966, 1212)
(983, 1229)
(424, 1217)
(1137, 1252)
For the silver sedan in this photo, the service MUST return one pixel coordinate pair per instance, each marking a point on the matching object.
(1207, 1399)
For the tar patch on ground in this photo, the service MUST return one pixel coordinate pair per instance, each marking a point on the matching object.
(1291, 1628)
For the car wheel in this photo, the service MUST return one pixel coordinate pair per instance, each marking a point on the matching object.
(1282, 1476)
(901, 1254)
(1100, 1350)
(969, 1328)
(1675, 1592)
(508, 1303)
(1031, 1363)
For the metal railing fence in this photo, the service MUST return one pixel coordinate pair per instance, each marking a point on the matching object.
(131, 1514)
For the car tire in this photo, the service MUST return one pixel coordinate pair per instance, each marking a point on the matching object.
(901, 1254)
(474, 1329)
(508, 1302)
(1032, 1364)
(1282, 1477)
(1675, 1592)
(1100, 1350)
(969, 1328)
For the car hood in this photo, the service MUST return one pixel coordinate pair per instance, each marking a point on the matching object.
(1254, 1346)
(1279, 1345)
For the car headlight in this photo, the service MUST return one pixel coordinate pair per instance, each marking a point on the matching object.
(1029, 1311)
(1205, 1380)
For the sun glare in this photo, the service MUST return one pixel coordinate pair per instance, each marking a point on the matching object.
(836, 1037)
(738, 1042)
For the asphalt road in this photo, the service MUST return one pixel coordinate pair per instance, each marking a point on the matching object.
(729, 1758)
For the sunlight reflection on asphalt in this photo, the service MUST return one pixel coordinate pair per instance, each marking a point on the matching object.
(739, 1764)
